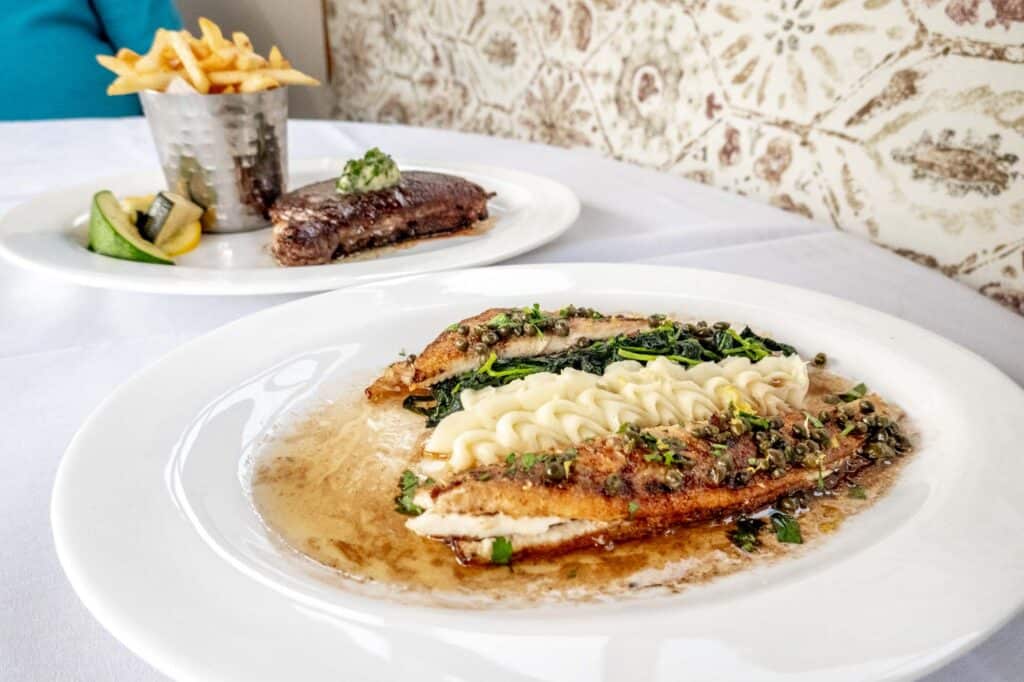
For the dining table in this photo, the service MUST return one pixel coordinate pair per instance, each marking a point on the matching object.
(64, 347)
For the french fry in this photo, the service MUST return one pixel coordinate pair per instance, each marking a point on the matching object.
(276, 59)
(241, 41)
(199, 48)
(128, 56)
(249, 61)
(208, 63)
(211, 33)
(151, 61)
(136, 82)
(188, 61)
(215, 62)
(291, 77)
(114, 64)
(258, 81)
(282, 76)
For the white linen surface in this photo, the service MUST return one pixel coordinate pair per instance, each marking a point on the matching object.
(63, 348)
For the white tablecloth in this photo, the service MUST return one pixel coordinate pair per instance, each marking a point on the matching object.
(63, 348)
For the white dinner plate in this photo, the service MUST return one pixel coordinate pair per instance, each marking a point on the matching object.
(156, 531)
(49, 234)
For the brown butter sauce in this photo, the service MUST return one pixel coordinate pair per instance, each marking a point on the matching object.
(327, 486)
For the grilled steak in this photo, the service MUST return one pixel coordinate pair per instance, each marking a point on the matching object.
(641, 482)
(316, 224)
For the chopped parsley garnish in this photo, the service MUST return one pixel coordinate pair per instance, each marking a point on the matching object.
(501, 551)
(719, 449)
(811, 419)
(407, 486)
(848, 429)
(786, 528)
(855, 393)
(528, 460)
(857, 492)
(745, 534)
(634, 507)
(753, 421)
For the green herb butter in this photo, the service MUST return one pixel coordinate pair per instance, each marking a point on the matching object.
(376, 170)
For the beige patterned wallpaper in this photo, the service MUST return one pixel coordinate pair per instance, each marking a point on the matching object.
(901, 120)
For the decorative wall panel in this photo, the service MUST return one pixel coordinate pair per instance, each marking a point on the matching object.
(900, 120)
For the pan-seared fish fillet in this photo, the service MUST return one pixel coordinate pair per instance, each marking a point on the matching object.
(640, 482)
(442, 358)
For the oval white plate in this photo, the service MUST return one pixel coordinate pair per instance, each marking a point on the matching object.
(49, 233)
(156, 532)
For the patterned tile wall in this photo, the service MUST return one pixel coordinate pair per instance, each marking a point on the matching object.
(901, 120)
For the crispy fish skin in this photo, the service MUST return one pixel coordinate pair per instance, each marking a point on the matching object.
(646, 498)
(315, 224)
(441, 358)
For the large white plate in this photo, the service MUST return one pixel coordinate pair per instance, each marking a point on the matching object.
(49, 233)
(156, 532)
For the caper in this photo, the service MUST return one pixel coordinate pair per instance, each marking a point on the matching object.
(554, 471)
(879, 451)
(583, 342)
(777, 457)
(517, 318)
(517, 329)
(461, 344)
(787, 504)
(832, 399)
(614, 485)
(480, 348)
(867, 407)
(489, 338)
(720, 326)
(562, 328)
(799, 431)
(462, 330)
(674, 479)
(812, 446)
(860, 428)
(689, 328)
(800, 449)
(655, 320)
(820, 359)
(776, 423)
(824, 416)
(569, 310)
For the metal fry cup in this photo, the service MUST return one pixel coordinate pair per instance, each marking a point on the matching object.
(227, 153)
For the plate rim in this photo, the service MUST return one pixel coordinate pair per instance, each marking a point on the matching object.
(144, 650)
(312, 278)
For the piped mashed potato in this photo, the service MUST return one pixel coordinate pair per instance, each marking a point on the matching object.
(547, 410)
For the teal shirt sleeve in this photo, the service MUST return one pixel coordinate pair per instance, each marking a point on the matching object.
(49, 49)
(131, 24)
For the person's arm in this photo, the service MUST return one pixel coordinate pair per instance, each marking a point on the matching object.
(131, 23)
